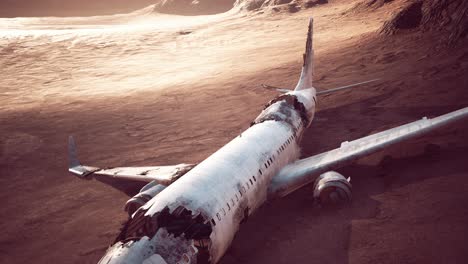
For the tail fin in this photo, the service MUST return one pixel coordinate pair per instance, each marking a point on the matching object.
(305, 81)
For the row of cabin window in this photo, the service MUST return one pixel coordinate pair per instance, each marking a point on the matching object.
(288, 141)
(241, 192)
(268, 163)
(282, 148)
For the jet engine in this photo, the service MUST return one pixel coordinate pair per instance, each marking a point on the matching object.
(146, 193)
(332, 188)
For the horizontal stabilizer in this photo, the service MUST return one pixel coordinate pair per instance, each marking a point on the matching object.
(274, 88)
(344, 87)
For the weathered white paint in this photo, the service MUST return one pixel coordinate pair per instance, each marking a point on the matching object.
(238, 178)
(235, 179)
(302, 172)
(220, 187)
(170, 250)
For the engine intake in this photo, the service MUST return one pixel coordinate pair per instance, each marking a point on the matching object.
(146, 193)
(332, 188)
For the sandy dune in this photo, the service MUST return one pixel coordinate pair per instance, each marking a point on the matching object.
(149, 89)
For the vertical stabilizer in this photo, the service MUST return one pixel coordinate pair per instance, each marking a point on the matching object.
(305, 81)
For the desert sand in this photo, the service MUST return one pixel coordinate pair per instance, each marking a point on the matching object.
(145, 88)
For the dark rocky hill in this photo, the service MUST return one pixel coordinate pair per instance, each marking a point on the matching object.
(450, 17)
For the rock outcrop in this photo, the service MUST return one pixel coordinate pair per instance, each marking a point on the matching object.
(277, 5)
(370, 4)
(193, 7)
(446, 16)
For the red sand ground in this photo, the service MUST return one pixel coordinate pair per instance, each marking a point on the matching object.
(413, 210)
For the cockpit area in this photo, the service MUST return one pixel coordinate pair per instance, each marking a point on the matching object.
(181, 223)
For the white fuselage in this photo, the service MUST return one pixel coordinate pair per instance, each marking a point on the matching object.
(232, 183)
(234, 180)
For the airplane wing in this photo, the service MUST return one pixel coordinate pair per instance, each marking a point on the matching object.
(305, 171)
(163, 175)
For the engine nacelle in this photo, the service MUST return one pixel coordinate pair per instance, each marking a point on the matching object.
(146, 193)
(332, 188)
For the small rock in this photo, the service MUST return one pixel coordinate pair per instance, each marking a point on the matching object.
(312, 3)
(293, 8)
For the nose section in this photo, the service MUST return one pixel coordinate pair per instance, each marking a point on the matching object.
(134, 251)
(163, 248)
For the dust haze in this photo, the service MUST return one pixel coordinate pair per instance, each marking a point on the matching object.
(155, 83)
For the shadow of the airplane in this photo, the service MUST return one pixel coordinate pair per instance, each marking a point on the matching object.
(293, 230)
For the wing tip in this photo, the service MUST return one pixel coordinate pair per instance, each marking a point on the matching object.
(72, 156)
(74, 165)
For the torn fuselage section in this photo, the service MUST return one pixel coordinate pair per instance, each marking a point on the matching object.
(163, 248)
(150, 190)
(285, 108)
(177, 236)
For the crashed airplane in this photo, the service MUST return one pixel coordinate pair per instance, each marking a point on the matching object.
(190, 213)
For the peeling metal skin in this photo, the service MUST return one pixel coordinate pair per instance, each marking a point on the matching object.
(191, 213)
(170, 249)
(203, 209)
(195, 218)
